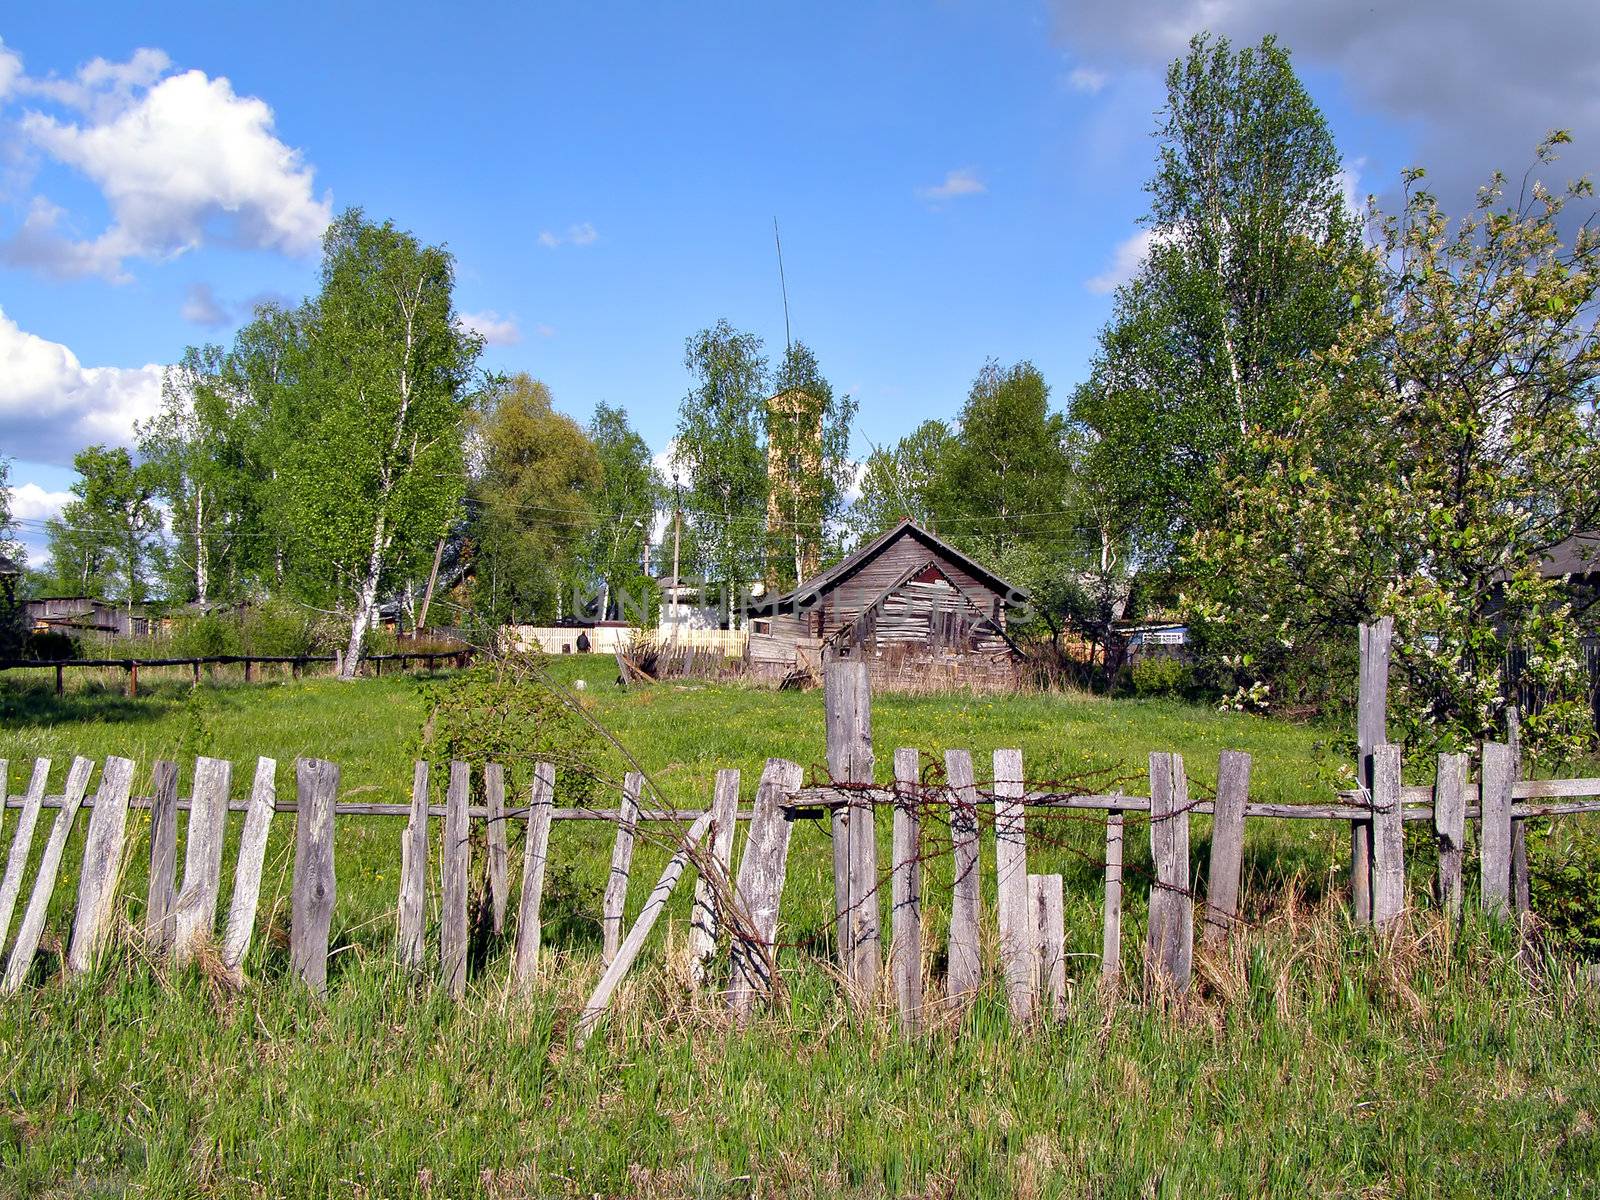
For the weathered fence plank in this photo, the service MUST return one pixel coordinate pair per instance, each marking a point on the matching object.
(456, 863)
(615, 900)
(195, 913)
(905, 918)
(22, 846)
(247, 871)
(1388, 837)
(759, 890)
(1047, 910)
(1450, 828)
(102, 865)
(1011, 874)
(1372, 709)
(160, 921)
(1169, 948)
(847, 703)
(1227, 845)
(964, 969)
(494, 794)
(411, 943)
(314, 888)
(709, 893)
(1111, 931)
(600, 998)
(44, 882)
(535, 855)
(1494, 837)
(1521, 889)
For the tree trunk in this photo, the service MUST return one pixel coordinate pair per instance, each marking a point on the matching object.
(366, 603)
(202, 564)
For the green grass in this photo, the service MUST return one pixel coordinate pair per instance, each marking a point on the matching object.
(1309, 1061)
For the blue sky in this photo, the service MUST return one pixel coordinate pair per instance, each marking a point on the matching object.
(954, 181)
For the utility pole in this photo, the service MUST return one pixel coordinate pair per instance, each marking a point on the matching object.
(677, 584)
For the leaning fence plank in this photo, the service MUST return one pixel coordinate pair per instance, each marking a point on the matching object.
(411, 945)
(1011, 884)
(905, 924)
(847, 703)
(759, 890)
(22, 846)
(1494, 838)
(1111, 931)
(1521, 894)
(963, 972)
(44, 882)
(195, 913)
(1169, 946)
(494, 836)
(535, 854)
(313, 889)
(247, 871)
(102, 865)
(1372, 710)
(615, 900)
(1227, 845)
(456, 862)
(1449, 828)
(1388, 837)
(160, 921)
(709, 894)
(1047, 917)
(634, 942)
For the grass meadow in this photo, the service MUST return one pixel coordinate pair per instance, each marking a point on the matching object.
(1310, 1059)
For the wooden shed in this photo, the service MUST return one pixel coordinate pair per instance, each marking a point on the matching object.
(904, 596)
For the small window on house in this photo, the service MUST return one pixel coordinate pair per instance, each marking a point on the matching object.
(761, 626)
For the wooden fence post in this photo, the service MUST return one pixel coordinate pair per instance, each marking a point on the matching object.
(411, 945)
(1494, 836)
(1111, 933)
(847, 702)
(196, 907)
(1227, 846)
(1372, 707)
(456, 862)
(1521, 891)
(905, 918)
(964, 968)
(1169, 948)
(314, 887)
(22, 846)
(1388, 837)
(759, 890)
(1047, 910)
(60, 684)
(102, 865)
(494, 795)
(162, 897)
(1449, 828)
(247, 869)
(1011, 875)
(535, 854)
(44, 883)
(703, 921)
(615, 901)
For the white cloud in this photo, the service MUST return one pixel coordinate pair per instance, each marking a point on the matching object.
(30, 502)
(181, 161)
(51, 406)
(494, 329)
(201, 307)
(1355, 201)
(10, 69)
(1087, 79)
(582, 234)
(961, 182)
(1126, 260)
(545, 331)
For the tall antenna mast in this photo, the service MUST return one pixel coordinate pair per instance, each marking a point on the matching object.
(782, 283)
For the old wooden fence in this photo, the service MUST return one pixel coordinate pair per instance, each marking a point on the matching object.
(296, 663)
(740, 911)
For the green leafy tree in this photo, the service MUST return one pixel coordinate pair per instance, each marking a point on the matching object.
(625, 507)
(108, 536)
(808, 456)
(902, 481)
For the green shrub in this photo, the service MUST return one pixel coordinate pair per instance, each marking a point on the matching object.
(1564, 885)
(45, 644)
(278, 627)
(1161, 675)
(204, 636)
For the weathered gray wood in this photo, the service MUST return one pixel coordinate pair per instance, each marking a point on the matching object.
(1017, 938)
(22, 846)
(1047, 916)
(600, 998)
(160, 921)
(1111, 926)
(247, 870)
(759, 889)
(1521, 889)
(1372, 711)
(1169, 948)
(1494, 838)
(1449, 828)
(964, 967)
(44, 882)
(101, 870)
(615, 900)
(847, 705)
(905, 919)
(709, 892)
(1388, 838)
(195, 913)
(494, 793)
(456, 864)
(535, 855)
(313, 890)
(1227, 845)
(411, 942)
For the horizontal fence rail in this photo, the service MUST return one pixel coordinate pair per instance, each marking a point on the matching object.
(297, 662)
